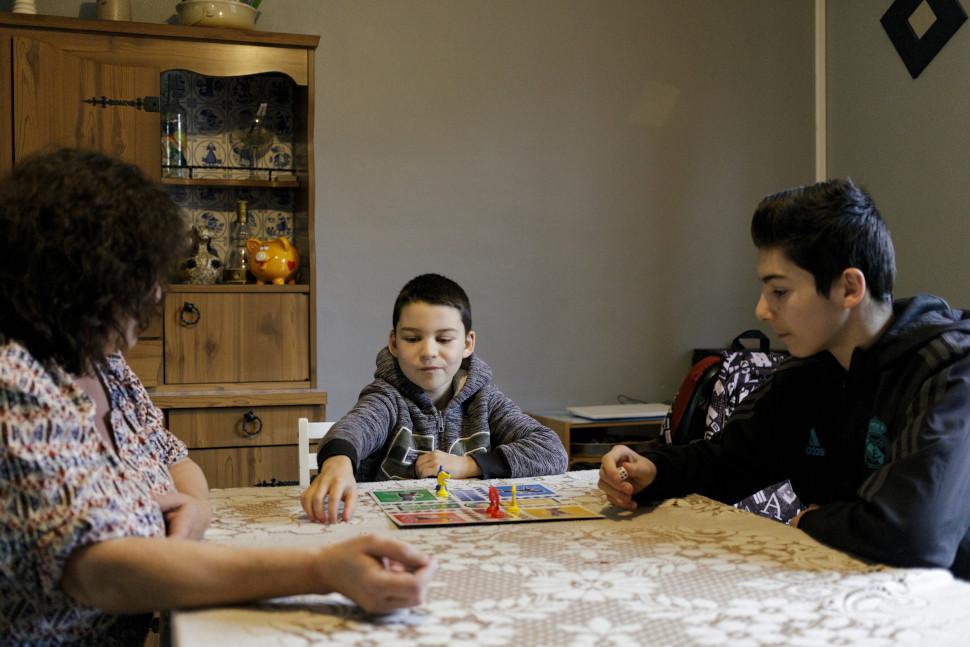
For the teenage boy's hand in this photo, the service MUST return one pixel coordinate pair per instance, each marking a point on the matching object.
(460, 467)
(640, 472)
(798, 517)
(334, 483)
(378, 573)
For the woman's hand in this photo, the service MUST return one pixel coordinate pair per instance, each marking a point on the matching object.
(378, 573)
(639, 473)
(460, 467)
(186, 517)
(334, 483)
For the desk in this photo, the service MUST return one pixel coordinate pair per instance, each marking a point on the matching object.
(689, 572)
(587, 440)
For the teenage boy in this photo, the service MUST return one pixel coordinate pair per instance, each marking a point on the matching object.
(432, 404)
(869, 419)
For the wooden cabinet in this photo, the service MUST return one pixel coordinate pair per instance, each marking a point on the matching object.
(222, 354)
(242, 438)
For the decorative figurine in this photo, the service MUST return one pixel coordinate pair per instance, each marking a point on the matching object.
(273, 261)
(203, 267)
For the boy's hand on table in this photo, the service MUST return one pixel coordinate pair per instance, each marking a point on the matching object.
(378, 573)
(798, 517)
(334, 483)
(619, 488)
(460, 467)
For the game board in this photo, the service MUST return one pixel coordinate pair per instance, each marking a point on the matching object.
(466, 505)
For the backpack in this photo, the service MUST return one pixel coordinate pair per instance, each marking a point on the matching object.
(715, 385)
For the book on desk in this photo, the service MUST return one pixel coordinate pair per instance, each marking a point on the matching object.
(638, 411)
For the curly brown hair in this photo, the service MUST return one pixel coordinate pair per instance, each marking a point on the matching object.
(88, 238)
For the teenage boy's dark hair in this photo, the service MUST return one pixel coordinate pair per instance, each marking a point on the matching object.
(826, 228)
(436, 290)
(86, 239)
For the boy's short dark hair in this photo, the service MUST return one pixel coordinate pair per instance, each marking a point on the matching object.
(826, 228)
(436, 290)
(87, 238)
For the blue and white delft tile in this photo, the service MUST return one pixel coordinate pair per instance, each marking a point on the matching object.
(276, 223)
(246, 89)
(214, 223)
(208, 119)
(278, 89)
(208, 89)
(280, 156)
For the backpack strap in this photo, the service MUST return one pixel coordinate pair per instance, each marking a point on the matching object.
(686, 399)
(764, 344)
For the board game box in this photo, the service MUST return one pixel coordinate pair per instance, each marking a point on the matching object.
(466, 505)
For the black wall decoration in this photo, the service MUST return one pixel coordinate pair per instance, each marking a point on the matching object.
(917, 52)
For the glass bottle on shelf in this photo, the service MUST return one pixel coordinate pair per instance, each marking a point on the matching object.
(256, 140)
(174, 145)
(237, 265)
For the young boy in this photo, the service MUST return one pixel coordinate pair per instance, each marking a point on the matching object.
(869, 419)
(432, 403)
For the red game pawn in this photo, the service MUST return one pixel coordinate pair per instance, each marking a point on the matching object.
(494, 509)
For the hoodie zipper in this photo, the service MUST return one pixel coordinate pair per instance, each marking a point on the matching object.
(440, 423)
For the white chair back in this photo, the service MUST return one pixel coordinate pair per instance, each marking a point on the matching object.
(308, 431)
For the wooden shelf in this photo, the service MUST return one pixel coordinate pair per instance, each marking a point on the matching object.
(190, 399)
(188, 288)
(289, 183)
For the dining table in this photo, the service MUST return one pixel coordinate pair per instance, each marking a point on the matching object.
(687, 571)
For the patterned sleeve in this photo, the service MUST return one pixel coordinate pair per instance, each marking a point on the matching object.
(530, 448)
(167, 447)
(58, 492)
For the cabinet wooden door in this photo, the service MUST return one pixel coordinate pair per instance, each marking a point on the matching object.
(247, 466)
(56, 79)
(236, 337)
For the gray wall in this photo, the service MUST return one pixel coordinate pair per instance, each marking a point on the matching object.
(585, 169)
(908, 142)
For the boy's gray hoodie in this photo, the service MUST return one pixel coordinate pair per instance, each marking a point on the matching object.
(394, 421)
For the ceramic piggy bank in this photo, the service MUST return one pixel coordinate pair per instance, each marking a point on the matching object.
(272, 261)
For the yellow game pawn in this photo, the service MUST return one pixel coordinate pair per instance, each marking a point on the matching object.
(441, 489)
(514, 507)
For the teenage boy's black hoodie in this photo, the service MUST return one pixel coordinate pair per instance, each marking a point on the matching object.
(883, 448)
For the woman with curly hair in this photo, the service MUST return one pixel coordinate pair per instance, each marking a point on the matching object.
(99, 504)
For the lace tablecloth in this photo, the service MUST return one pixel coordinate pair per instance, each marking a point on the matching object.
(688, 572)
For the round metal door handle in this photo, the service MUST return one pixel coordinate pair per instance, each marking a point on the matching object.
(251, 424)
(189, 315)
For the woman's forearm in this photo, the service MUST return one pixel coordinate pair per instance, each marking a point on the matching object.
(135, 575)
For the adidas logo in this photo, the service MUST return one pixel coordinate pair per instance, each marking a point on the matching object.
(814, 448)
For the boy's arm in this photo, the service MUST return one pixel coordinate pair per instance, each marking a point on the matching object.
(519, 444)
(915, 510)
(747, 456)
(362, 431)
